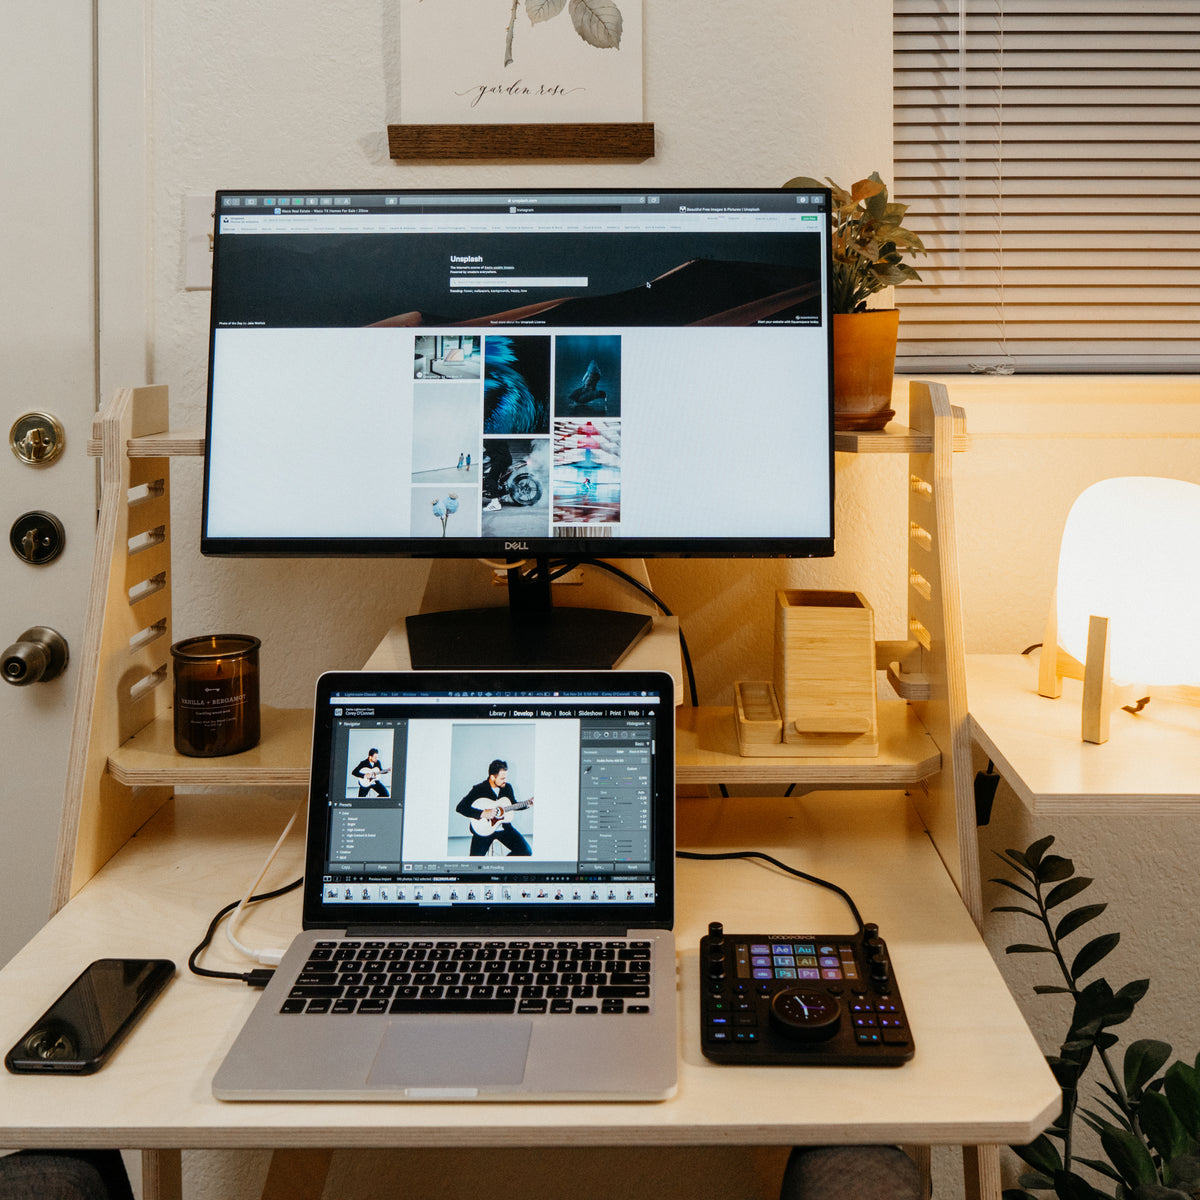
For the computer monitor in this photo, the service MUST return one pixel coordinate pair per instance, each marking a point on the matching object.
(551, 375)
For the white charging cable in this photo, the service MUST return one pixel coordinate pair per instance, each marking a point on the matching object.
(267, 957)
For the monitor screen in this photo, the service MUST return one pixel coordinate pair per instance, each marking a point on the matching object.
(563, 373)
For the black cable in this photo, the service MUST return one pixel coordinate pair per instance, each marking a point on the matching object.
(566, 566)
(825, 883)
(256, 978)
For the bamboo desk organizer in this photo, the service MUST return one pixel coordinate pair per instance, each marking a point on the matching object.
(122, 766)
(822, 699)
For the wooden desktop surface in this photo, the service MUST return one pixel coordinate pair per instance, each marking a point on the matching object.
(977, 1076)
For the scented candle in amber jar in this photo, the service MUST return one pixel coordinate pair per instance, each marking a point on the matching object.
(216, 694)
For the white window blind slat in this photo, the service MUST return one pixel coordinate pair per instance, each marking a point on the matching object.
(1050, 154)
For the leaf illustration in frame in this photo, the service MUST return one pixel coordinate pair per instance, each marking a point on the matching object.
(598, 22)
(543, 10)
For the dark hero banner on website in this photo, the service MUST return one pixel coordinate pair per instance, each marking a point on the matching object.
(476, 278)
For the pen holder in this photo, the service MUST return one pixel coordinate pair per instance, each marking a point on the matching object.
(821, 702)
(216, 694)
(825, 672)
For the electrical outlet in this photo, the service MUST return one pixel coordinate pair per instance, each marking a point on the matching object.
(197, 240)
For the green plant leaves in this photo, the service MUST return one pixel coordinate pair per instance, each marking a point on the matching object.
(1162, 1128)
(1077, 918)
(1129, 1155)
(1182, 1087)
(1184, 1172)
(1041, 1154)
(1072, 1187)
(1153, 1148)
(1096, 950)
(1053, 867)
(1143, 1060)
(1008, 883)
(1067, 890)
(869, 240)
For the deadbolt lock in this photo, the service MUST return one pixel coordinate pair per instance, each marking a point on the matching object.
(37, 537)
(37, 438)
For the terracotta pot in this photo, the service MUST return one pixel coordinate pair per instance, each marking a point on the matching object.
(864, 359)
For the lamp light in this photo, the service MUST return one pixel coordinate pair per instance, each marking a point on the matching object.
(1126, 596)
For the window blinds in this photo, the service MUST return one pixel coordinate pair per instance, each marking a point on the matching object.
(1050, 154)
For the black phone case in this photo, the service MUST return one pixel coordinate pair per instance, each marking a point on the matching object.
(50, 1045)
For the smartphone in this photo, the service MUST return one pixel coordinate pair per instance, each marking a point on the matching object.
(78, 1032)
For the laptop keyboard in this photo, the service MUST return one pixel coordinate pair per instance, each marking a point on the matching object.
(399, 977)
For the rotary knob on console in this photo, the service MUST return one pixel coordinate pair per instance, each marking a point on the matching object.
(716, 952)
(878, 966)
(805, 1016)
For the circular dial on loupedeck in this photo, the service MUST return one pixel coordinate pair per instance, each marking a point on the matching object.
(805, 1016)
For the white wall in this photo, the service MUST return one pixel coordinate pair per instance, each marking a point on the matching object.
(295, 94)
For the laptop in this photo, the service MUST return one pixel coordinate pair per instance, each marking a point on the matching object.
(488, 895)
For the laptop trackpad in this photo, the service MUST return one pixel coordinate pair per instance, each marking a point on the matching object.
(457, 1052)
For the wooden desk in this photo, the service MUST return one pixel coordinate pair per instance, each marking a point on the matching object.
(1150, 764)
(977, 1076)
(131, 879)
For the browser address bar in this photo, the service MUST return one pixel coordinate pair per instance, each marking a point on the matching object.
(316, 223)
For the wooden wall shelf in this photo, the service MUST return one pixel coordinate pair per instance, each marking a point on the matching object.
(628, 141)
(280, 759)
(707, 749)
(895, 439)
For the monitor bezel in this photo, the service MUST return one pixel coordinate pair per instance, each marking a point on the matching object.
(554, 547)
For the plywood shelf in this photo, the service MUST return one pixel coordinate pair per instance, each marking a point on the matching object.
(895, 439)
(1148, 765)
(898, 439)
(707, 751)
(281, 758)
(185, 444)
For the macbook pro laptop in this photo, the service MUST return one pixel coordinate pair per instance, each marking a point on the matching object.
(488, 895)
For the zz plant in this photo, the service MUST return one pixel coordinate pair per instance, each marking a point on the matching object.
(1148, 1121)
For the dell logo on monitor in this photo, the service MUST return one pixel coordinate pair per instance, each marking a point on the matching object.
(516, 545)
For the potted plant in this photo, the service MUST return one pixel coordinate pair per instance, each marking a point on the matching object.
(869, 244)
(1148, 1119)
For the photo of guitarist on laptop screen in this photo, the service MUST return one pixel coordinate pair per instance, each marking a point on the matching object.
(489, 806)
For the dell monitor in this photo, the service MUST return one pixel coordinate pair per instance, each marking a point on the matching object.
(524, 374)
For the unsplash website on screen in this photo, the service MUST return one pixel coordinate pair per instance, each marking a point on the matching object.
(467, 372)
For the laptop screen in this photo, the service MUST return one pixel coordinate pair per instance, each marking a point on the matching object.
(466, 799)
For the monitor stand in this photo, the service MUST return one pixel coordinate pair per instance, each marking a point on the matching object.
(530, 631)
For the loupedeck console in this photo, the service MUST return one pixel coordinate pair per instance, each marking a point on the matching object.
(801, 999)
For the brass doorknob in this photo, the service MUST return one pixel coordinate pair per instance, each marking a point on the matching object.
(37, 656)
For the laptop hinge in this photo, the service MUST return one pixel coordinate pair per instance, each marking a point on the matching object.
(502, 931)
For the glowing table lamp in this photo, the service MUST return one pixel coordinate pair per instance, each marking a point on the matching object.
(1126, 602)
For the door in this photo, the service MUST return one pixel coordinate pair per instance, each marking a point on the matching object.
(49, 363)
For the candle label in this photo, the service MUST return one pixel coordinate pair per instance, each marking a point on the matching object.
(216, 705)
